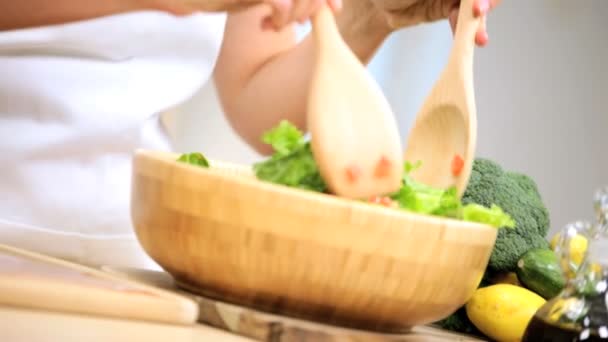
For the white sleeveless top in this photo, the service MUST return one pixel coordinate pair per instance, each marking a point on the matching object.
(75, 101)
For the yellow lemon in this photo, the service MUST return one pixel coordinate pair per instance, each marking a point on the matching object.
(503, 311)
(578, 247)
(597, 268)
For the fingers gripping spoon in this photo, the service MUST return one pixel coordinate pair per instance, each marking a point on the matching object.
(444, 134)
(355, 139)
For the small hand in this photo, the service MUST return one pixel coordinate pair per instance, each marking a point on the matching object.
(480, 8)
(289, 11)
(283, 12)
(403, 13)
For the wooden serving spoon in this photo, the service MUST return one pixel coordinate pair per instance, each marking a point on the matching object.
(444, 134)
(355, 139)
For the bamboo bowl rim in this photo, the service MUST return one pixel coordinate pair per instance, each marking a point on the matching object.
(243, 176)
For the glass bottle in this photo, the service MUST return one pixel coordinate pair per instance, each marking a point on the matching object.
(580, 311)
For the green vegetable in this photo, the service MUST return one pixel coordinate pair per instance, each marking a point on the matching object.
(194, 158)
(284, 139)
(421, 198)
(539, 271)
(493, 216)
(517, 195)
(292, 164)
(297, 169)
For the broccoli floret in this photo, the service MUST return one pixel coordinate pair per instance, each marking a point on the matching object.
(518, 196)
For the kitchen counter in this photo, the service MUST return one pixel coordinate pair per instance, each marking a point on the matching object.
(22, 325)
(45, 299)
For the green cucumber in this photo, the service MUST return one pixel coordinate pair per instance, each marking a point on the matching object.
(539, 271)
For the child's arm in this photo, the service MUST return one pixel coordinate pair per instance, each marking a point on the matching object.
(15, 14)
(30, 13)
(263, 76)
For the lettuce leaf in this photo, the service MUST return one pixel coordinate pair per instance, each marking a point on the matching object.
(284, 139)
(297, 169)
(493, 216)
(421, 198)
(194, 158)
(293, 164)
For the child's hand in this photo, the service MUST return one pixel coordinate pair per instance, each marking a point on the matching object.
(480, 8)
(284, 12)
(289, 11)
(404, 13)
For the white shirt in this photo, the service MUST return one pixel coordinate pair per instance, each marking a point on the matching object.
(75, 101)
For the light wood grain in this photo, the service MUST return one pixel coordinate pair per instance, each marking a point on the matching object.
(300, 253)
(31, 280)
(27, 325)
(355, 139)
(266, 327)
(446, 125)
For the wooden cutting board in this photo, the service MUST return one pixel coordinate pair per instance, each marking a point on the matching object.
(35, 281)
(266, 327)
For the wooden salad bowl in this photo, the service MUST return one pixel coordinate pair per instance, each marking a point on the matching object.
(224, 234)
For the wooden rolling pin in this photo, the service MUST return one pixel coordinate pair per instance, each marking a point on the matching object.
(35, 281)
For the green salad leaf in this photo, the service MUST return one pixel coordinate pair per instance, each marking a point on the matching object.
(284, 139)
(297, 169)
(292, 164)
(493, 216)
(421, 198)
(194, 158)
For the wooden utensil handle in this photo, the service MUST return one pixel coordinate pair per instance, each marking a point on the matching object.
(324, 28)
(464, 38)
